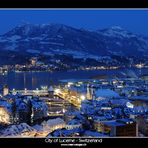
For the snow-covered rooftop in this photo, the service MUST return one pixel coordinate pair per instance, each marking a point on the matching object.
(17, 130)
(140, 109)
(66, 133)
(99, 118)
(113, 123)
(52, 122)
(73, 122)
(106, 93)
(6, 105)
(72, 113)
(143, 98)
(22, 107)
(118, 122)
(38, 127)
(80, 89)
(50, 89)
(39, 105)
(11, 96)
(93, 134)
(121, 102)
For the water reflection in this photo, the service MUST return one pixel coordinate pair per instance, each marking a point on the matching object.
(33, 80)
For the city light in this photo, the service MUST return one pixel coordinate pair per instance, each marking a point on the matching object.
(69, 84)
(25, 90)
(57, 91)
(37, 90)
(44, 87)
(82, 97)
(4, 116)
(58, 112)
(129, 105)
(64, 110)
(13, 91)
(140, 65)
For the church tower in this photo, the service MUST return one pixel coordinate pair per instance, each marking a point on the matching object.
(51, 92)
(5, 90)
(93, 96)
(88, 95)
(92, 93)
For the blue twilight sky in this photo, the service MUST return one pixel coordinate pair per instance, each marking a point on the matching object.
(133, 20)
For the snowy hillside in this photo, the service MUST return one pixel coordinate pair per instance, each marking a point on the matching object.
(57, 39)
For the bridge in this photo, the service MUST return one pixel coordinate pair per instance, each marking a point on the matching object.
(42, 93)
(31, 92)
(70, 99)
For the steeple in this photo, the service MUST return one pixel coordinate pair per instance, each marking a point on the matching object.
(88, 95)
(5, 90)
(51, 89)
(92, 92)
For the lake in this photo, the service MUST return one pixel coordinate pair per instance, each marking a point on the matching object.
(33, 80)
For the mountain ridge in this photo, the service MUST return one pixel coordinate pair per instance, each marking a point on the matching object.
(51, 39)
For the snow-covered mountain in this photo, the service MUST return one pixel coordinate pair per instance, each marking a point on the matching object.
(51, 39)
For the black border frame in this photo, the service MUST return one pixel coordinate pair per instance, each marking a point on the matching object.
(73, 4)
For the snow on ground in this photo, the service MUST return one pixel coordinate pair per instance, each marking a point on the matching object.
(53, 43)
(3, 40)
(117, 31)
(14, 38)
(12, 47)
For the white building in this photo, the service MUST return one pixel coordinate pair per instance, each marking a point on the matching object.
(73, 124)
(53, 124)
